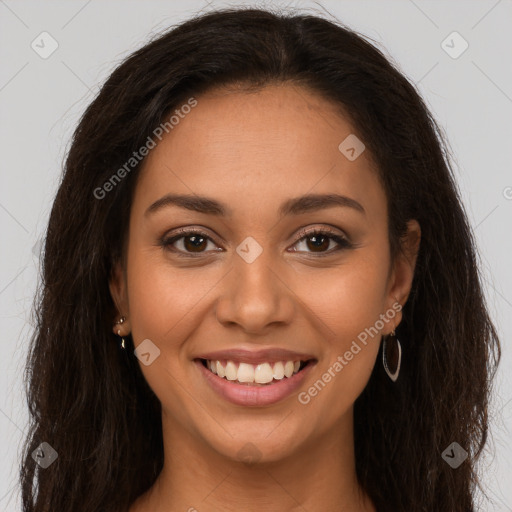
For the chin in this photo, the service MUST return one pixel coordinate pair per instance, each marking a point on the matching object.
(257, 447)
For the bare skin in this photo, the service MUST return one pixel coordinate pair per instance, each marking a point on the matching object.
(252, 152)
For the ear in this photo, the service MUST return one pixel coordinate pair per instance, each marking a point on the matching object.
(118, 291)
(402, 274)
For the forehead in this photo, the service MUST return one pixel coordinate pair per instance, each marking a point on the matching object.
(256, 149)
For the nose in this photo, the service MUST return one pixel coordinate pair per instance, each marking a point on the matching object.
(255, 297)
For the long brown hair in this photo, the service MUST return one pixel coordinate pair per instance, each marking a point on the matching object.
(90, 401)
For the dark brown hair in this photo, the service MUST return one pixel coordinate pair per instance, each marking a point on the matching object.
(90, 401)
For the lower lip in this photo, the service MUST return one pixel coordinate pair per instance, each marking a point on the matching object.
(254, 396)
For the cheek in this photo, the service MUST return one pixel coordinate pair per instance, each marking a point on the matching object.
(348, 298)
(349, 301)
(165, 307)
(164, 300)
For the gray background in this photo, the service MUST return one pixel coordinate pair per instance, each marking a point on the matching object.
(41, 101)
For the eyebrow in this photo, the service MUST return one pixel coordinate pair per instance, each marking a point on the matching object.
(294, 206)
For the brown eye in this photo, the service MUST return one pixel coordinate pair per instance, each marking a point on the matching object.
(194, 243)
(191, 243)
(320, 242)
(187, 243)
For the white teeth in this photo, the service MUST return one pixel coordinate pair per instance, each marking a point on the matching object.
(245, 372)
(262, 373)
(231, 371)
(288, 369)
(279, 371)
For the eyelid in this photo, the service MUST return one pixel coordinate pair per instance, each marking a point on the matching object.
(190, 231)
(323, 229)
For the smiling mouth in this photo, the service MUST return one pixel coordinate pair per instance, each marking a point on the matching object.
(263, 374)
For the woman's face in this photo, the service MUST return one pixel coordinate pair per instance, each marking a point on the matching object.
(253, 279)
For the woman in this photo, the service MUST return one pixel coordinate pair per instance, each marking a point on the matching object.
(260, 287)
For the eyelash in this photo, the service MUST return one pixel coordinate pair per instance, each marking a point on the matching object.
(343, 243)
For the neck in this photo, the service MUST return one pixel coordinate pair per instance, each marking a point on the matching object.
(319, 477)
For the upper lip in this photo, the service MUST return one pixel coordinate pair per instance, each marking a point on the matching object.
(267, 355)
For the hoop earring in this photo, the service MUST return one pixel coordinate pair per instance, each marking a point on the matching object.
(391, 355)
